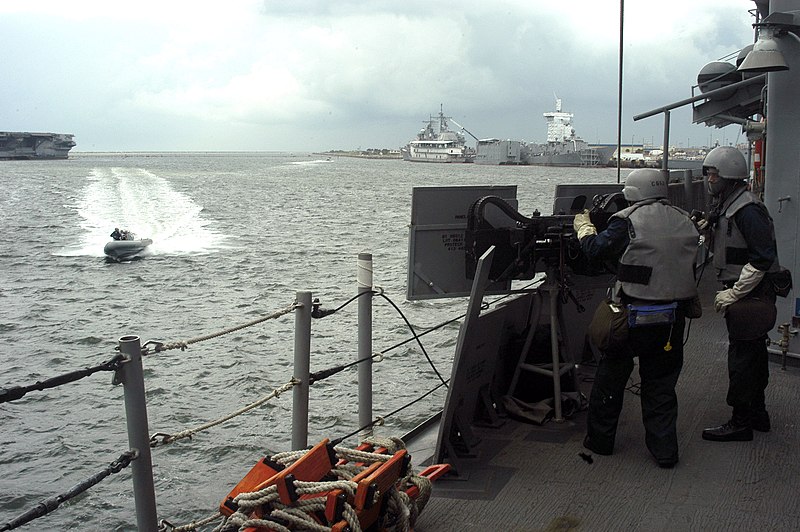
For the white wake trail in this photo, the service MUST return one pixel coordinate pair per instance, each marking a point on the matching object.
(146, 204)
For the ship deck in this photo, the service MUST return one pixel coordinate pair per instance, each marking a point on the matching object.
(526, 477)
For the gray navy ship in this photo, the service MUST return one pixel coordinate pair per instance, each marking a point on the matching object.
(562, 148)
(437, 143)
(24, 145)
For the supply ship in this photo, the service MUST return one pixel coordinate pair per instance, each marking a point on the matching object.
(562, 148)
(24, 145)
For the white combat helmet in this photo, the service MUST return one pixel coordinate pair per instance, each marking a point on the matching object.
(728, 162)
(645, 183)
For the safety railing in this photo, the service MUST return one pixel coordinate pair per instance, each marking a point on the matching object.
(127, 366)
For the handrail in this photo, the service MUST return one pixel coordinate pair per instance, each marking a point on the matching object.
(705, 95)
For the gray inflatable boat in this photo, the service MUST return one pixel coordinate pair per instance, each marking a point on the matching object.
(126, 249)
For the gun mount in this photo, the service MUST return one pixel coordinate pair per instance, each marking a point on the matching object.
(532, 244)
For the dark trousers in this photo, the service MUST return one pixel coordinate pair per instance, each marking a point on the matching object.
(659, 371)
(748, 322)
(748, 376)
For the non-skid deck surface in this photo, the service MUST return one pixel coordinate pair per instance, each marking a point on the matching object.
(531, 478)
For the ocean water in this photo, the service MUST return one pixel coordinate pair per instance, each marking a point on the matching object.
(235, 236)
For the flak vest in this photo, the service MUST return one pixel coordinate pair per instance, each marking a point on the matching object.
(658, 264)
(730, 247)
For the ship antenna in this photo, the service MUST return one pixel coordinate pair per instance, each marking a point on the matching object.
(619, 84)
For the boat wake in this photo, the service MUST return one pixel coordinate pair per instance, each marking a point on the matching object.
(311, 163)
(147, 205)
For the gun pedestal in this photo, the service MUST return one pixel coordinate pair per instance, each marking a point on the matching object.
(553, 292)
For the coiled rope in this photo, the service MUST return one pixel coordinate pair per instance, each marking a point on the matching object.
(402, 510)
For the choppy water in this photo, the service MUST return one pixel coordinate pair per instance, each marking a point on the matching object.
(235, 237)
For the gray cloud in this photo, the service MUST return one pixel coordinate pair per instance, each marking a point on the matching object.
(313, 75)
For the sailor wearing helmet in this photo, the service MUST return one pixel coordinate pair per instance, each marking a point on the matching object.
(656, 245)
(745, 254)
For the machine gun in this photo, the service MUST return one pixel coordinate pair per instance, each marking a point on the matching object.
(522, 242)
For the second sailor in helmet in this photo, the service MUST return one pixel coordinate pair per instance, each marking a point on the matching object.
(745, 257)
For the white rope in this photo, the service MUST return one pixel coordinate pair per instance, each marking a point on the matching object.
(257, 498)
(190, 432)
(185, 343)
(353, 455)
(194, 525)
(402, 510)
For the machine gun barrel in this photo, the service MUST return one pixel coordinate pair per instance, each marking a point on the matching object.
(520, 241)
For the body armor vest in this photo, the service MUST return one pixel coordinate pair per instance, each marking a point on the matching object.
(658, 264)
(730, 247)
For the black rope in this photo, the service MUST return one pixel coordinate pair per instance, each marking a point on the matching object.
(48, 505)
(390, 414)
(16, 392)
(416, 337)
(325, 373)
(319, 312)
(689, 326)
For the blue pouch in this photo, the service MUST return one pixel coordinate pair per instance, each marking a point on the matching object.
(643, 315)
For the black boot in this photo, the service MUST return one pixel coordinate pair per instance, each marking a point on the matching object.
(761, 421)
(730, 431)
(593, 446)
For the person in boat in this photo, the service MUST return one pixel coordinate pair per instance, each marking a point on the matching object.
(656, 245)
(745, 257)
(116, 235)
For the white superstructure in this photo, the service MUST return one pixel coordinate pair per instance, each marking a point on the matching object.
(436, 143)
(559, 125)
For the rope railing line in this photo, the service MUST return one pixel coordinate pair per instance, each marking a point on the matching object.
(16, 392)
(161, 438)
(48, 505)
(380, 419)
(166, 526)
(188, 433)
(416, 337)
(182, 345)
(13, 393)
(319, 312)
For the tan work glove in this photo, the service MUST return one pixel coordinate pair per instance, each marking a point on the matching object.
(583, 225)
(748, 279)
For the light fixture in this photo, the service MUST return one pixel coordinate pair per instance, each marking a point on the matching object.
(765, 55)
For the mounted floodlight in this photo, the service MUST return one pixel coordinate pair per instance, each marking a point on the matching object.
(766, 55)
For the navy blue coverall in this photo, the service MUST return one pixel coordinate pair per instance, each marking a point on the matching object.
(660, 352)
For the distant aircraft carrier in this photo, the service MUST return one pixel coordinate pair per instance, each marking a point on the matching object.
(23, 145)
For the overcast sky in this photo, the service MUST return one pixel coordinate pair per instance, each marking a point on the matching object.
(312, 75)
